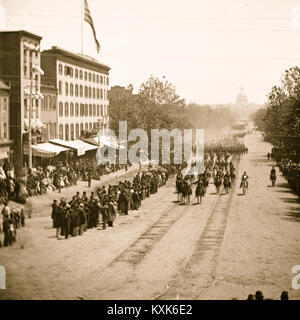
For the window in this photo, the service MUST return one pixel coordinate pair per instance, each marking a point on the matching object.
(53, 134)
(61, 109)
(85, 75)
(98, 110)
(25, 108)
(72, 131)
(81, 110)
(61, 132)
(25, 71)
(53, 103)
(5, 131)
(86, 110)
(101, 93)
(80, 74)
(94, 93)
(76, 90)
(66, 88)
(98, 94)
(101, 79)
(86, 92)
(81, 128)
(72, 110)
(4, 105)
(91, 126)
(93, 77)
(66, 70)
(86, 127)
(60, 69)
(67, 132)
(71, 72)
(90, 92)
(90, 77)
(77, 131)
(101, 110)
(97, 78)
(60, 88)
(90, 110)
(94, 110)
(76, 110)
(71, 89)
(76, 73)
(66, 109)
(81, 91)
(107, 81)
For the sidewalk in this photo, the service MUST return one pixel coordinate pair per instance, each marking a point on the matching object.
(42, 204)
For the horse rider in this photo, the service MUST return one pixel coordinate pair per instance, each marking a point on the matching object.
(245, 177)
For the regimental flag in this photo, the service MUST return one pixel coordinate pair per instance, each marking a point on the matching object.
(88, 19)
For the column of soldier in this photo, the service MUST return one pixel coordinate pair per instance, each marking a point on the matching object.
(73, 218)
(217, 164)
(288, 163)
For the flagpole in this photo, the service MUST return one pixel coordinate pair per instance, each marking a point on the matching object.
(82, 8)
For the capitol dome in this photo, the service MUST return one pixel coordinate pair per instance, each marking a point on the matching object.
(241, 98)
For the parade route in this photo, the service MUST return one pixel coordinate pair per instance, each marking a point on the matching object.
(147, 251)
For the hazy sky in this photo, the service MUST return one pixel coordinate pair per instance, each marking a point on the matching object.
(207, 48)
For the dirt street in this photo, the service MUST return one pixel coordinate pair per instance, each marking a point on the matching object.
(247, 243)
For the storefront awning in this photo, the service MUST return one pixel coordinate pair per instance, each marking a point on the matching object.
(45, 150)
(81, 146)
(35, 123)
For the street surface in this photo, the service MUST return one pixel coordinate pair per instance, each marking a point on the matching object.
(227, 247)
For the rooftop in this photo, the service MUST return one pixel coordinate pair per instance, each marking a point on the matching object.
(23, 32)
(81, 57)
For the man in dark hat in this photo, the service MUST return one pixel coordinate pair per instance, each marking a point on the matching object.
(54, 211)
(259, 295)
(81, 218)
(284, 295)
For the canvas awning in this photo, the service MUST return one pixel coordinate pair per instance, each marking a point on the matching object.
(45, 150)
(81, 146)
(35, 123)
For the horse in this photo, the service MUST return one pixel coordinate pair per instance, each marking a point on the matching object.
(226, 184)
(273, 179)
(244, 186)
(218, 183)
(200, 192)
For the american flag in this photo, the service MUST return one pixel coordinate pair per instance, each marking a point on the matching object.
(88, 19)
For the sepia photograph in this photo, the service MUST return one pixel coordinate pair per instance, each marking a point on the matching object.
(149, 151)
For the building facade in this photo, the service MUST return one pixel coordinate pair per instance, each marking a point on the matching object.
(82, 85)
(49, 114)
(5, 142)
(19, 62)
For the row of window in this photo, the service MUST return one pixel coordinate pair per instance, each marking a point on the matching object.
(82, 110)
(72, 132)
(79, 74)
(50, 130)
(77, 90)
(49, 102)
(28, 63)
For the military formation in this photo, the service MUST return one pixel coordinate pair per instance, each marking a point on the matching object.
(288, 165)
(83, 212)
(218, 165)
